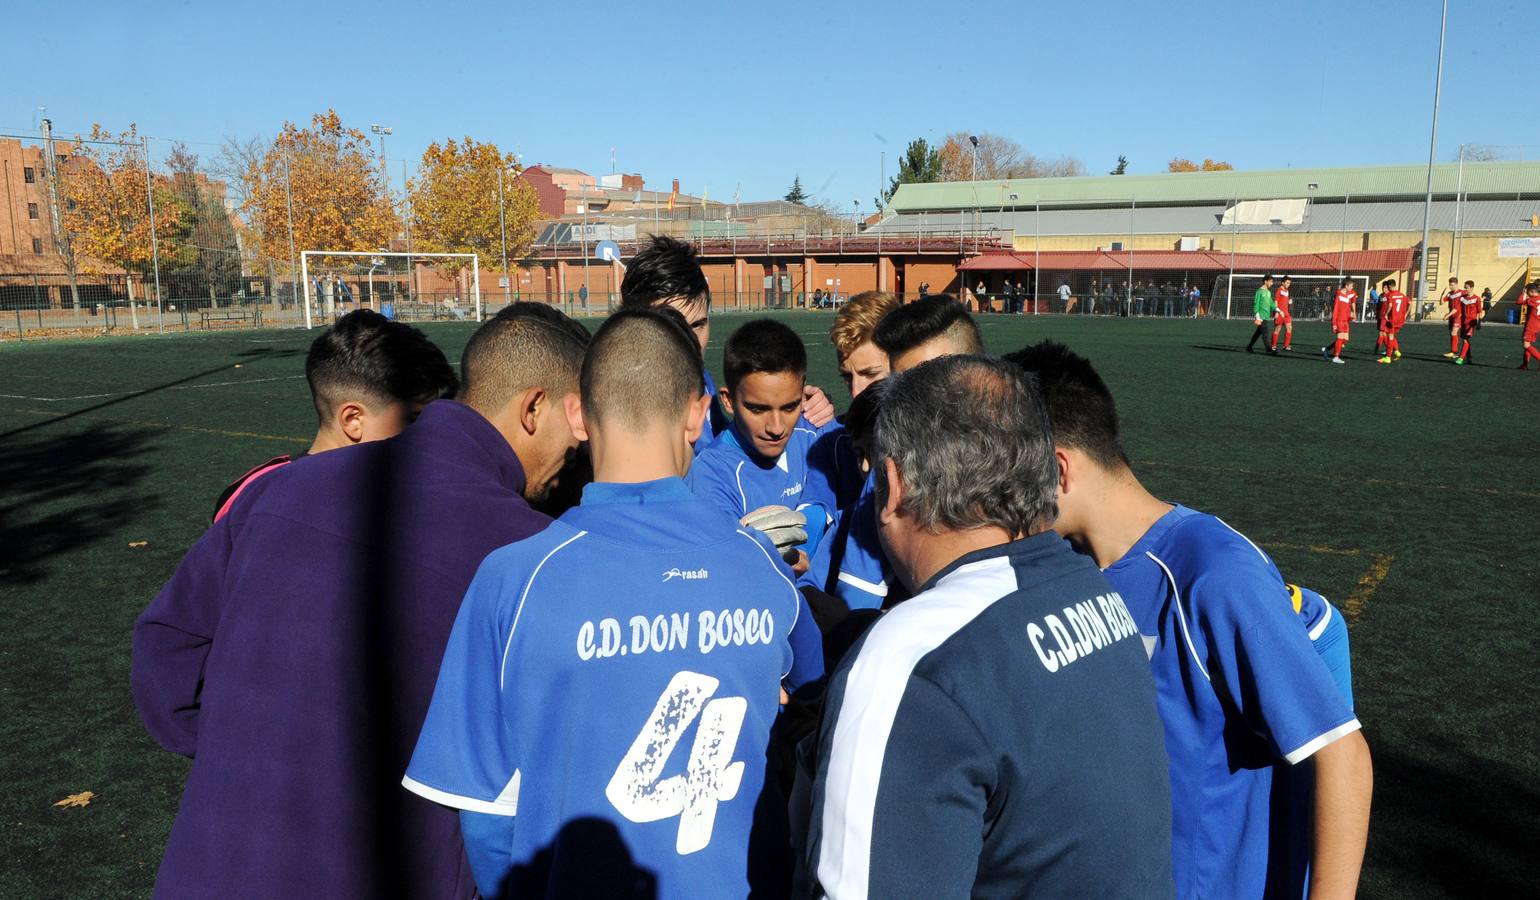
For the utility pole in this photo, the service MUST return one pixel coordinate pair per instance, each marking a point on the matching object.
(61, 235)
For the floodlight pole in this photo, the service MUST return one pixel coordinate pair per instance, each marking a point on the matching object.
(288, 197)
(1427, 207)
(502, 226)
(1459, 188)
(149, 191)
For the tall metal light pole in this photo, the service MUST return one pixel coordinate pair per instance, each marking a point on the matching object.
(973, 176)
(1427, 208)
(502, 226)
(149, 190)
(382, 131)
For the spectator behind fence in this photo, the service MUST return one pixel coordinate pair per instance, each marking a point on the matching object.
(293, 653)
(369, 378)
(969, 744)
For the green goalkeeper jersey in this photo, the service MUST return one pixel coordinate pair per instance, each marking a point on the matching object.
(1262, 305)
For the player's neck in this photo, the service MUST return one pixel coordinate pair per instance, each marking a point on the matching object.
(627, 458)
(937, 551)
(328, 439)
(1126, 511)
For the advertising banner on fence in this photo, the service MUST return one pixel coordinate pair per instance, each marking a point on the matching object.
(1518, 247)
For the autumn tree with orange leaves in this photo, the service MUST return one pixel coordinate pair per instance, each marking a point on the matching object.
(338, 192)
(455, 203)
(107, 212)
(1208, 165)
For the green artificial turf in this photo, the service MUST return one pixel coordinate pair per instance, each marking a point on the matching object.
(1406, 494)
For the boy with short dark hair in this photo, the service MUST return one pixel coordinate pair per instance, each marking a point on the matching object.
(667, 272)
(1283, 318)
(1262, 312)
(613, 679)
(369, 378)
(933, 326)
(759, 466)
(1244, 696)
(1469, 318)
(1393, 309)
(1342, 306)
(1529, 300)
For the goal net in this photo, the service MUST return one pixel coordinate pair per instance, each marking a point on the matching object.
(410, 286)
(1310, 296)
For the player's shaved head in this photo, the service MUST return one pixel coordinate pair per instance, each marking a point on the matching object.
(526, 345)
(666, 269)
(932, 326)
(367, 358)
(642, 369)
(1082, 410)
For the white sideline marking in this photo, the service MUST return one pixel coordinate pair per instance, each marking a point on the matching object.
(180, 387)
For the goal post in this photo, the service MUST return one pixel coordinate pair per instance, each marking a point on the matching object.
(304, 269)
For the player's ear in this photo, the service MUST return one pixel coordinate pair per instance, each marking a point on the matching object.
(572, 404)
(1062, 460)
(350, 420)
(893, 494)
(531, 404)
(726, 396)
(695, 417)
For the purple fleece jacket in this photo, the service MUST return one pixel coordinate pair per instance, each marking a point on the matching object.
(293, 655)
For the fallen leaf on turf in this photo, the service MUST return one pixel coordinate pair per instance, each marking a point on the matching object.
(139, 543)
(81, 799)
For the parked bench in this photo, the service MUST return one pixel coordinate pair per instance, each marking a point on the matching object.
(240, 314)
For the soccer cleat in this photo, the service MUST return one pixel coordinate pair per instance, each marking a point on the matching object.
(1396, 355)
(1338, 360)
(1449, 355)
(1325, 354)
(1459, 362)
(1384, 360)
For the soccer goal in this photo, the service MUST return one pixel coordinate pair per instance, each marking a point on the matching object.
(1310, 297)
(389, 271)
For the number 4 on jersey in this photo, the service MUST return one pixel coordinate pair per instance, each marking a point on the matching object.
(709, 778)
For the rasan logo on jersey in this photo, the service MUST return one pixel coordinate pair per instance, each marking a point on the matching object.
(686, 574)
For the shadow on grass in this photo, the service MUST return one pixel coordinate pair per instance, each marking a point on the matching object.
(63, 492)
(1455, 823)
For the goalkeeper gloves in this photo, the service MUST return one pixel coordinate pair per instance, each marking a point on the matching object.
(786, 528)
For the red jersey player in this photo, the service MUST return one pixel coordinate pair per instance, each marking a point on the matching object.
(1529, 301)
(1393, 309)
(1342, 307)
(1283, 319)
(1451, 300)
(1469, 317)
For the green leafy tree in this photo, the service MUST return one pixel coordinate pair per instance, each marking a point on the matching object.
(796, 194)
(920, 164)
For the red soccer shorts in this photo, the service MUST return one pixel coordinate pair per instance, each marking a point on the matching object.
(1532, 330)
(1338, 326)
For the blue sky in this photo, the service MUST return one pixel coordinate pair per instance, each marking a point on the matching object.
(728, 94)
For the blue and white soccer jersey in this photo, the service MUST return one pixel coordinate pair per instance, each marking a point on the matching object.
(1243, 696)
(739, 481)
(849, 562)
(834, 467)
(1328, 634)
(613, 680)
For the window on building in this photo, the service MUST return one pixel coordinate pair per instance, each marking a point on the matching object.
(29, 175)
(31, 210)
(37, 246)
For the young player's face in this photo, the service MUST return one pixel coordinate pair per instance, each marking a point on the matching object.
(766, 406)
(865, 366)
(698, 315)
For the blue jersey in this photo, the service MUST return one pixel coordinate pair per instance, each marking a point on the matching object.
(1328, 635)
(740, 481)
(613, 680)
(833, 466)
(1243, 697)
(716, 417)
(849, 562)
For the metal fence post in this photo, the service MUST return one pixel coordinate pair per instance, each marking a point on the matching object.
(149, 190)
